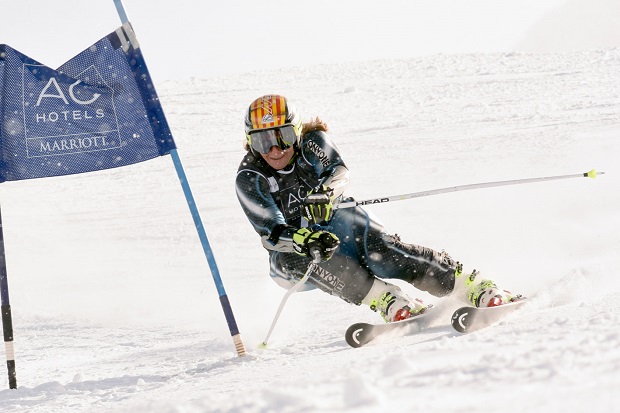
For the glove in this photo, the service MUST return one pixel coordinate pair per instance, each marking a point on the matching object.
(318, 206)
(318, 245)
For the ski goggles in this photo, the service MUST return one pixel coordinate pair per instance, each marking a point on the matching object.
(262, 140)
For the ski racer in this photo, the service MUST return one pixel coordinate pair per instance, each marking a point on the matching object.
(288, 183)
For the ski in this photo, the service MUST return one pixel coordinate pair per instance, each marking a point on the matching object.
(469, 319)
(360, 334)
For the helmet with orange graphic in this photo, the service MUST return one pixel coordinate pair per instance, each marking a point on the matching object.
(271, 120)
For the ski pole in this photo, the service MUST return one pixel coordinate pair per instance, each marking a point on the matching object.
(349, 204)
(291, 290)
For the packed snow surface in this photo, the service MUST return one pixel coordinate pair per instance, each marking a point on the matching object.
(115, 310)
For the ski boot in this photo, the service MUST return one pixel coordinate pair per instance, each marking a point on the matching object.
(484, 293)
(392, 303)
(397, 307)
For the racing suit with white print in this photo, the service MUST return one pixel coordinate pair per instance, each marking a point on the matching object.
(272, 200)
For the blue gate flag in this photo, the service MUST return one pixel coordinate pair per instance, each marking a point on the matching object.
(97, 111)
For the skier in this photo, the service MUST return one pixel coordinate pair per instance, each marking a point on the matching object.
(287, 185)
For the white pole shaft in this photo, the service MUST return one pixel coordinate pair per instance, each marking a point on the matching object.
(291, 290)
(350, 204)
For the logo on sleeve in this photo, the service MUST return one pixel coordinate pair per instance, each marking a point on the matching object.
(318, 151)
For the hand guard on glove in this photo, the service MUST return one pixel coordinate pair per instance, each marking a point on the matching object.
(318, 245)
(318, 206)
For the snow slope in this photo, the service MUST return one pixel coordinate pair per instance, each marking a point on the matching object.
(575, 25)
(114, 307)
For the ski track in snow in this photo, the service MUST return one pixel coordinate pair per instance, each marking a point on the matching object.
(114, 309)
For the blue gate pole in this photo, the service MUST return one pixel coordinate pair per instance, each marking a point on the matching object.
(230, 318)
(228, 313)
(7, 322)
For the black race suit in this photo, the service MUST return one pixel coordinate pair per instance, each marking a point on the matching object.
(272, 201)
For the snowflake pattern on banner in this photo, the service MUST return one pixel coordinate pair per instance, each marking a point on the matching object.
(97, 111)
